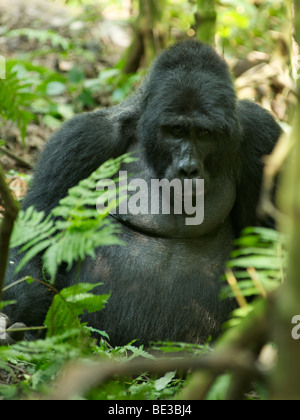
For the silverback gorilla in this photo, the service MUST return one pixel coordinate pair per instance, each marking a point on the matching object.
(185, 123)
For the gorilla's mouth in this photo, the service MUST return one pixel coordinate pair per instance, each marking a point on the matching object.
(132, 227)
(193, 189)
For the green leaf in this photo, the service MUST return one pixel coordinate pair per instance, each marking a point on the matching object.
(33, 252)
(41, 35)
(257, 261)
(52, 122)
(264, 251)
(69, 304)
(72, 231)
(55, 88)
(165, 381)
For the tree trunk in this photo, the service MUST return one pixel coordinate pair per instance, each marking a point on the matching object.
(147, 39)
(206, 20)
(286, 379)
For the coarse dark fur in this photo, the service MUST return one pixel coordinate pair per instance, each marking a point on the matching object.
(184, 122)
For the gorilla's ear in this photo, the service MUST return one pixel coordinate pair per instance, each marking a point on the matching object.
(126, 117)
(127, 129)
(260, 133)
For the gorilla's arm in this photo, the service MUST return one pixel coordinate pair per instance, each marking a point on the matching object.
(82, 144)
(260, 133)
(73, 153)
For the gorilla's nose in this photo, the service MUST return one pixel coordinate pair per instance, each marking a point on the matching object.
(189, 170)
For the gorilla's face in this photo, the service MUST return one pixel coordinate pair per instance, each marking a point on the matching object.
(191, 149)
(188, 131)
(188, 136)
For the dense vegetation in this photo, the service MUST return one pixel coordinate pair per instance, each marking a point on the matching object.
(50, 76)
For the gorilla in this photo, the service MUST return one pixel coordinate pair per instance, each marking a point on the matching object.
(184, 122)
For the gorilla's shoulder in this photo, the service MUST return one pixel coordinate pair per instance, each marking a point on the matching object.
(259, 128)
(104, 124)
(87, 124)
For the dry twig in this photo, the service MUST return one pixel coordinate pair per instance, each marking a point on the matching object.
(10, 215)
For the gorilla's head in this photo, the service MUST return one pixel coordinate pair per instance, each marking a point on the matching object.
(189, 130)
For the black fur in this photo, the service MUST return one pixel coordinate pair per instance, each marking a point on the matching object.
(165, 282)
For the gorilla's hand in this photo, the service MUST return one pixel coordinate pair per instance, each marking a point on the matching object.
(9, 334)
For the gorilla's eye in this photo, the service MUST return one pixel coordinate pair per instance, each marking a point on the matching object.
(177, 131)
(203, 133)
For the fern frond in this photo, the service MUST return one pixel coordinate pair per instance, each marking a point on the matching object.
(15, 101)
(72, 231)
(262, 251)
(69, 304)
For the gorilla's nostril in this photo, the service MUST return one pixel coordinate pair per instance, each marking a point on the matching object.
(189, 170)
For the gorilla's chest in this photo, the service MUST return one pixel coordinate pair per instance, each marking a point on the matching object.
(144, 257)
(161, 288)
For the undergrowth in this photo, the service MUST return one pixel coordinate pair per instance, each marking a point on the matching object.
(30, 369)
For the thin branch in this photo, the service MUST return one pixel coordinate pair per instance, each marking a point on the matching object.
(273, 166)
(233, 283)
(11, 209)
(79, 378)
(19, 161)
